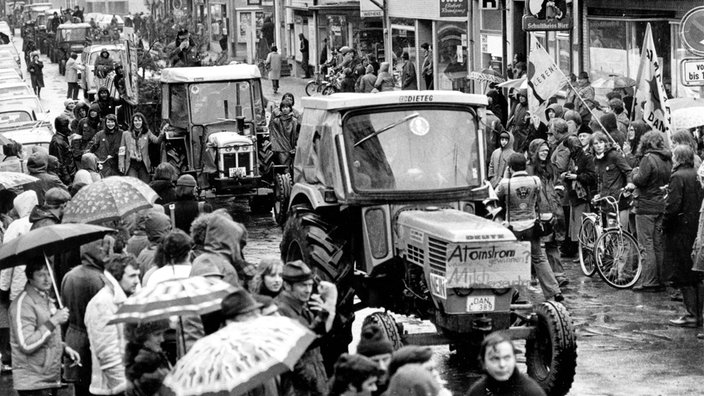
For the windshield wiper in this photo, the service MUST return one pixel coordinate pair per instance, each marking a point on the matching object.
(386, 128)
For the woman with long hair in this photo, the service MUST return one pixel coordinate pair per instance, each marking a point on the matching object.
(685, 137)
(146, 364)
(613, 173)
(635, 132)
(580, 181)
(268, 281)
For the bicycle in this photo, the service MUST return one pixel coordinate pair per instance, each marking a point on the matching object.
(608, 249)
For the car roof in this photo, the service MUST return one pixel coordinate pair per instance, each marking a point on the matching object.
(14, 100)
(15, 109)
(98, 47)
(41, 134)
(74, 25)
(350, 100)
(209, 73)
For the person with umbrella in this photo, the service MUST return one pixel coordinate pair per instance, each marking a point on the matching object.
(13, 279)
(315, 311)
(107, 342)
(36, 335)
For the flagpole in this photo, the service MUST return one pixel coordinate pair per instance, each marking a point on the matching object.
(590, 111)
(640, 74)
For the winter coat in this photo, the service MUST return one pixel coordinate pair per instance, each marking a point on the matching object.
(36, 73)
(652, 174)
(587, 93)
(71, 71)
(185, 211)
(532, 133)
(87, 128)
(308, 377)
(61, 149)
(36, 343)
(89, 165)
(78, 287)
(80, 105)
(13, 279)
(519, 194)
(367, 82)
(222, 258)
(518, 124)
(559, 111)
(684, 198)
(560, 159)
(273, 61)
(107, 106)
(145, 371)
(284, 131)
(104, 143)
(518, 384)
(37, 166)
(165, 189)
(107, 342)
(408, 76)
(582, 165)
(133, 145)
(43, 216)
(612, 174)
(384, 82)
(499, 161)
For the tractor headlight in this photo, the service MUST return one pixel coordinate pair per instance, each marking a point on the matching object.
(375, 220)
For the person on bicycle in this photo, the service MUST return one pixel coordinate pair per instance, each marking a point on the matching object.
(520, 195)
(612, 175)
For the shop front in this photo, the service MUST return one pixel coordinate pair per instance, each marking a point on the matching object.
(442, 24)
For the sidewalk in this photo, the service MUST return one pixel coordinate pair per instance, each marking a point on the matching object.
(294, 85)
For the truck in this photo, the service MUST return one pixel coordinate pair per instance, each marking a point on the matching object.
(215, 124)
(389, 201)
(69, 38)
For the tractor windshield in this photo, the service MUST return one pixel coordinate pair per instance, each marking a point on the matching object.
(211, 102)
(78, 34)
(412, 150)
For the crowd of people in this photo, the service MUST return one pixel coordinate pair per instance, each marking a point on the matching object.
(584, 153)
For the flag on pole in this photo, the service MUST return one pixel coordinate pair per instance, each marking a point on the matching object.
(650, 88)
(545, 79)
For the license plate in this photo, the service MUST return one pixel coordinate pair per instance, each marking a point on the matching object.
(481, 303)
(238, 171)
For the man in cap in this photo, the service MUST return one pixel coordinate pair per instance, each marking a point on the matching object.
(240, 306)
(377, 348)
(315, 311)
(186, 207)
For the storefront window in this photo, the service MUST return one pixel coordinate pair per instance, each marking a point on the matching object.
(218, 26)
(452, 55)
(403, 39)
(337, 30)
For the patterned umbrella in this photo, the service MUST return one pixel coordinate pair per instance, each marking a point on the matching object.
(488, 75)
(518, 83)
(688, 117)
(239, 357)
(194, 296)
(109, 199)
(10, 180)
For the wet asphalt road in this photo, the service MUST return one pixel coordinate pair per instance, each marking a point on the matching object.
(625, 346)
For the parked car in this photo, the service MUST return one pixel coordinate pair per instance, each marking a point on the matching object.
(9, 51)
(21, 125)
(27, 102)
(14, 88)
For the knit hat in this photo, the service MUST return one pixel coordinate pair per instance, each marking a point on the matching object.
(373, 342)
(609, 122)
(237, 303)
(68, 102)
(408, 355)
(296, 271)
(186, 181)
(56, 196)
(413, 380)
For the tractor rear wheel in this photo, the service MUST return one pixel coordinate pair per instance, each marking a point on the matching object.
(265, 156)
(324, 247)
(551, 356)
(389, 328)
(282, 193)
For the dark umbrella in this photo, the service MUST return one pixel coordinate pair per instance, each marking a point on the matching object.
(48, 241)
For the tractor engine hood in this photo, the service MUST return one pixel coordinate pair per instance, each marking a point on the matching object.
(451, 225)
(228, 139)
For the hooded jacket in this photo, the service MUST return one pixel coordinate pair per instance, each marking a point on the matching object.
(284, 130)
(652, 173)
(107, 342)
(37, 165)
(612, 173)
(557, 108)
(87, 128)
(77, 116)
(107, 143)
(108, 105)
(43, 216)
(60, 148)
(89, 163)
(609, 122)
(499, 160)
(14, 279)
(518, 124)
(136, 146)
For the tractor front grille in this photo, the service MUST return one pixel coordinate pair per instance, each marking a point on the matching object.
(237, 160)
(416, 255)
(437, 256)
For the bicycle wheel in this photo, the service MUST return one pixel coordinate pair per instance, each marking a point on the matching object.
(587, 239)
(312, 88)
(618, 258)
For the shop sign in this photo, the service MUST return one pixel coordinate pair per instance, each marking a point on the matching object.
(367, 9)
(692, 30)
(454, 8)
(692, 72)
(547, 15)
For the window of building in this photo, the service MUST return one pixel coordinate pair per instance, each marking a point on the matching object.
(452, 55)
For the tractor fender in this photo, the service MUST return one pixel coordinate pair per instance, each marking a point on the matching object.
(309, 194)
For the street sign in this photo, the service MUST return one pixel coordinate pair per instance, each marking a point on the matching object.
(489, 4)
(692, 30)
(547, 15)
(692, 72)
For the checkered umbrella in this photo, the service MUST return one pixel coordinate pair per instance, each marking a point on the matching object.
(239, 357)
(190, 296)
(109, 199)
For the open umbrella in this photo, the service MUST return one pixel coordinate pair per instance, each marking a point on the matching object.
(109, 199)
(613, 81)
(239, 357)
(487, 75)
(47, 241)
(190, 296)
(689, 117)
(10, 180)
